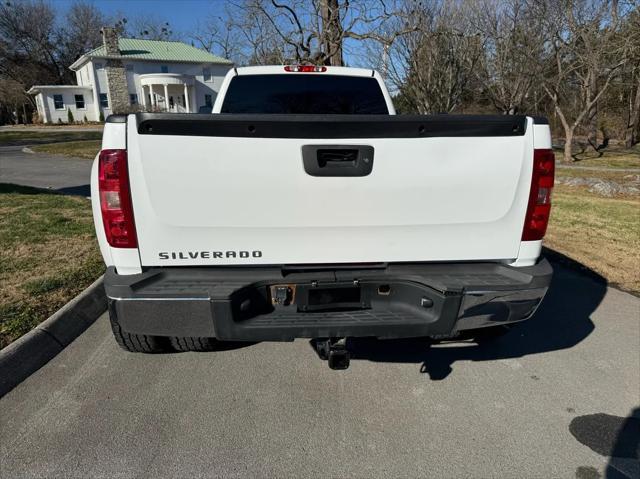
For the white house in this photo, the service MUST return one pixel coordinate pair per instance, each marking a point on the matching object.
(125, 74)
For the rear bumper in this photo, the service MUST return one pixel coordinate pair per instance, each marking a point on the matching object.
(397, 300)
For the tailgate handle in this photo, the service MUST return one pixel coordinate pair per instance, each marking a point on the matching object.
(337, 160)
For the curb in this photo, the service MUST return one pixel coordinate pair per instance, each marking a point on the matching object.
(29, 353)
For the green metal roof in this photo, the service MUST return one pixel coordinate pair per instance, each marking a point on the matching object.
(138, 49)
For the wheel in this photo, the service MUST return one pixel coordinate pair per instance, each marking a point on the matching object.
(193, 344)
(139, 343)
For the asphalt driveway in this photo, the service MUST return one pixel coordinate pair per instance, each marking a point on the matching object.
(55, 172)
(553, 398)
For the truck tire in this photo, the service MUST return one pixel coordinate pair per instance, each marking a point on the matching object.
(186, 344)
(138, 343)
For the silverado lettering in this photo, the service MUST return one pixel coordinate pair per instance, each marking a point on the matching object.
(164, 255)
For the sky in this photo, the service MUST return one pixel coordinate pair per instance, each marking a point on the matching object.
(182, 15)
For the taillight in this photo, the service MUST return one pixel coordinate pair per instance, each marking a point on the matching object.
(539, 207)
(305, 68)
(115, 199)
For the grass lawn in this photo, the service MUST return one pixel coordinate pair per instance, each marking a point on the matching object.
(601, 233)
(614, 157)
(610, 174)
(48, 254)
(25, 137)
(80, 149)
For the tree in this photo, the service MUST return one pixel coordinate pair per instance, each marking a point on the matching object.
(300, 31)
(631, 76)
(35, 49)
(243, 35)
(217, 35)
(432, 65)
(585, 53)
(79, 34)
(28, 47)
(512, 40)
(632, 131)
(13, 101)
(332, 34)
(147, 27)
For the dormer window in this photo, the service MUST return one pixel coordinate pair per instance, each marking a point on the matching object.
(164, 68)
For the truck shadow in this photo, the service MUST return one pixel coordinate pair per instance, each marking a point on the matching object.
(80, 190)
(561, 322)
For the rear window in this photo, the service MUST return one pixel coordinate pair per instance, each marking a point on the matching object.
(311, 94)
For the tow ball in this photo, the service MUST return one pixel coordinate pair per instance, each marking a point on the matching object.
(334, 351)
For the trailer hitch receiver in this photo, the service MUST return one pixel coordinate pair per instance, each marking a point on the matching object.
(334, 351)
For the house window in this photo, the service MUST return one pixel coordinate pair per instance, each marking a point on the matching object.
(129, 67)
(104, 100)
(133, 98)
(164, 69)
(79, 102)
(99, 66)
(206, 73)
(57, 102)
(208, 100)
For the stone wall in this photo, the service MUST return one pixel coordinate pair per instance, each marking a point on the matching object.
(116, 74)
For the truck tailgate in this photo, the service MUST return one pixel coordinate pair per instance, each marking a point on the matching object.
(233, 189)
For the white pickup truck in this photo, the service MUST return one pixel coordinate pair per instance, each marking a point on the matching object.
(303, 207)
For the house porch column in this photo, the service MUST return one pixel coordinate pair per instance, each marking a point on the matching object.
(166, 97)
(186, 98)
(94, 91)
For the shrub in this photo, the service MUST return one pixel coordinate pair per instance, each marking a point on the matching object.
(60, 120)
(84, 119)
(70, 118)
(101, 118)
